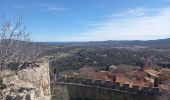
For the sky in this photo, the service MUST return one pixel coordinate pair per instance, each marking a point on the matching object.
(91, 20)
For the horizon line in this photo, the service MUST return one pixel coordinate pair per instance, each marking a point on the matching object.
(101, 40)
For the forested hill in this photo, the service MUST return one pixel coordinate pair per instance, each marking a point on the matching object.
(75, 55)
(139, 42)
(159, 42)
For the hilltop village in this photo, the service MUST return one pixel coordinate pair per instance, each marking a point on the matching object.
(145, 76)
(145, 80)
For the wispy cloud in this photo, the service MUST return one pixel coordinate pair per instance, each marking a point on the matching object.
(43, 7)
(132, 24)
(132, 12)
(56, 8)
(51, 7)
(23, 6)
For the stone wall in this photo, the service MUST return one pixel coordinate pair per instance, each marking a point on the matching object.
(38, 76)
(31, 82)
(80, 89)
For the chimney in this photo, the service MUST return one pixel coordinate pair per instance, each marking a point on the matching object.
(156, 82)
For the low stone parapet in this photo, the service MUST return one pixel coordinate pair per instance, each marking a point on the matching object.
(110, 85)
(87, 82)
(107, 84)
(125, 87)
(97, 82)
(116, 85)
(134, 88)
(78, 80)
(70, 79)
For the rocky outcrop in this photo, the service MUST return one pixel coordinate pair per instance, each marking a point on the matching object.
(31, 83)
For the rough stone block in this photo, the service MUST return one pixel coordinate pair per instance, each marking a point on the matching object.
(116, 85)
(87, 82)
(135, 88)
(145, 90)
(97, 82)
(70, 79)
(125, 87)
(108, 84)
(8, 97)
(78, 80)
(61, 79)
(155, 91)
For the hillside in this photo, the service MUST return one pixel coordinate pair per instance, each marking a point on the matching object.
(159, 42)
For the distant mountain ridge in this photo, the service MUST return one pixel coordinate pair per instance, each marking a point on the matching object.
(159, 42)
(142, 42)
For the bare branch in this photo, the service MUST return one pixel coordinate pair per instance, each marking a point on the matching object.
(15, 44)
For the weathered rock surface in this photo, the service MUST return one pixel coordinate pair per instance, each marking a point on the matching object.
(31, 83)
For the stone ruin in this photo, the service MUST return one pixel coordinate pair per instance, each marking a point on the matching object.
(31, 83)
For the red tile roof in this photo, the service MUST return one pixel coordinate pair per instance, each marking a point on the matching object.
(104, 75)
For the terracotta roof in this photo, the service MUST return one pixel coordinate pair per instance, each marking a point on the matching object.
(152, 72)
(104, 75)
(141, 83)
(140, 74)
(120, 77)
(165, 69)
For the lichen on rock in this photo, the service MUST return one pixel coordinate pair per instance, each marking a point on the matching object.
(31, 83)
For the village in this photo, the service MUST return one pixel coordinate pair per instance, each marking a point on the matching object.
(145, 76)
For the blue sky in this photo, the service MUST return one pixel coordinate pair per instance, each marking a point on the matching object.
(92, 20)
